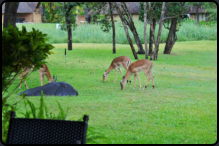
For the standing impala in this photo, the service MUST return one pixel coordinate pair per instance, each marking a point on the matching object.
(116, 64)
(140, 65)
(42, 71)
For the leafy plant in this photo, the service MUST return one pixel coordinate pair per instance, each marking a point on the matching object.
(42, 111)
(20, 49)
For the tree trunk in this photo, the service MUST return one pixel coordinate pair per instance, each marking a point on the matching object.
(126, 30)
(44, 15)
(68, 24)
(151, 38)
(154, 54)
(145, 30)
(10, 13)
(133, 29)
(87, 17)
(171, 37)
(113, 27)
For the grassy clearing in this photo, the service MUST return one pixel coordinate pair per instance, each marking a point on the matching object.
(189, 31)
(181, 109)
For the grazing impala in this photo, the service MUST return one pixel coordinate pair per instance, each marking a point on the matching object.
(42, 71)
(140, 65)
(116, 64)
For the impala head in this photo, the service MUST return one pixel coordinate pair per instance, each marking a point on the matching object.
(105, 75)
(123, 83)
(54, 78)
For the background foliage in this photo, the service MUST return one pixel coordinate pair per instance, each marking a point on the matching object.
(93, 33)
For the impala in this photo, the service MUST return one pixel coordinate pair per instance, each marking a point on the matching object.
(117, 63)
(42, 71)
(140, 65)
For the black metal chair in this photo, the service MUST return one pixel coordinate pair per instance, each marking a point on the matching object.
(46, 131)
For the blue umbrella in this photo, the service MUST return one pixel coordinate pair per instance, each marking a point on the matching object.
(52, 89)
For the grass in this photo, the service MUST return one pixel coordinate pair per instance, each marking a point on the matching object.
(181, 109)
(189, 31)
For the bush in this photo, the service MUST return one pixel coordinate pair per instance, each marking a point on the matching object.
(93, 34)
(20, 49)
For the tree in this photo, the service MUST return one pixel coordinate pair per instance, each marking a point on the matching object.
(68, 10)
(173, 9)
(50, 13)
(155, 11)
(126, 29)
(154, 54)
(145, 30)
(163, 17)
(99, 8)
(87, 17)
(131, 25)
(172, 37)
(113, 27)
(10, 13)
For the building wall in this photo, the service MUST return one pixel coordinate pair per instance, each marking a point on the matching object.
(202, 16)
(28, 16)
(116, 17)
(37, 18)
(80, 18)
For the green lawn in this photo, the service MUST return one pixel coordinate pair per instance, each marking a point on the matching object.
(182, 108)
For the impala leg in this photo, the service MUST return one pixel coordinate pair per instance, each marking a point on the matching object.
(134, 80)
(20, 81)
(130, 79)
(120, 70)
(116, 74)
(148, 77)
(25, 84)
(152, 77)
(139, 80)
(126, 68)
(41, 78)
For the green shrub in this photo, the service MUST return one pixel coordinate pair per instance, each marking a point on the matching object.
(93, 34)
(20, 49)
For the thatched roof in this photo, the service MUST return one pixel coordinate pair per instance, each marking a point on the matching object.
(24, 7)
(133, 8)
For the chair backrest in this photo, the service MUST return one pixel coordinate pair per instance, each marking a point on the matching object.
(45, 131)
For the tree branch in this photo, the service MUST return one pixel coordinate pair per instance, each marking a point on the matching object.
(172, 16)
